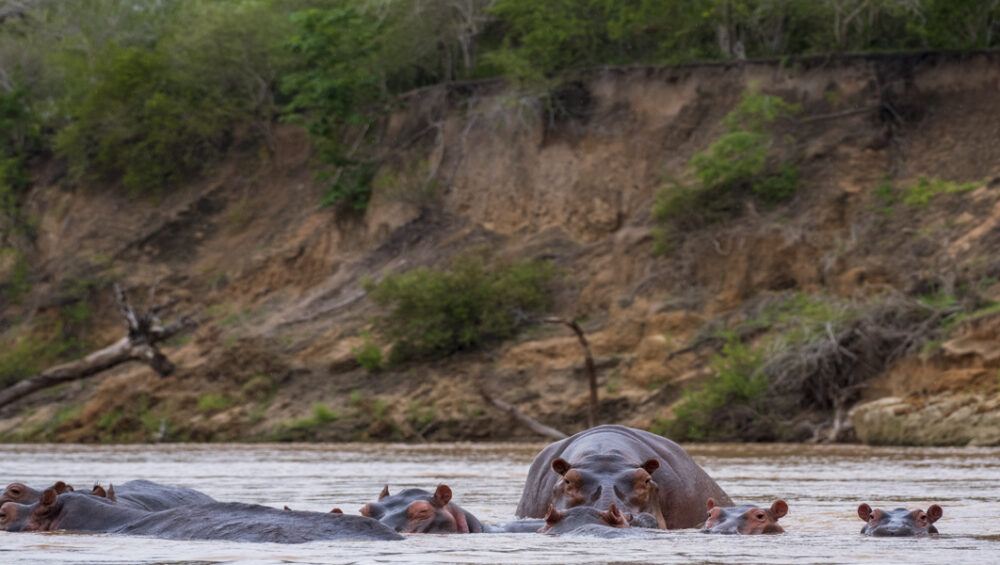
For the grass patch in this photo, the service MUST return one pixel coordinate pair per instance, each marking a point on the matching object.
(305, 428)
(368, 354)
(920, 195)
(213, 402)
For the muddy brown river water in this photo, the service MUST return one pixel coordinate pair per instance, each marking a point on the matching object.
(822, 484)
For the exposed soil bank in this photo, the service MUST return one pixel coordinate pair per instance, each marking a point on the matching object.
(276, 279)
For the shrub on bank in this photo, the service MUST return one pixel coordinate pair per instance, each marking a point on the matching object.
(436, 312)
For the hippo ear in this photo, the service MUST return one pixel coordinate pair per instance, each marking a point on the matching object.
(559, 465)
(710, 504)
(98, 490)
(366, 510)
(934, 513)
(779, 508)
(864, 511)
(111, 493)
(61, 487)
(651, 465)
(286, 507)
(336, 511)
(48, 498)
(442, 496)
(384, 493)
(553, 516)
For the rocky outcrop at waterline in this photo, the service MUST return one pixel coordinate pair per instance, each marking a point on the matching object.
(277, 280)
(943, 419)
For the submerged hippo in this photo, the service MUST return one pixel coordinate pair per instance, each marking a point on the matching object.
(23, 494)
(899, 522)
(147, 495)
(213, 521)
(588, 521)
(638, 471)
(415, 511)
(745, 520)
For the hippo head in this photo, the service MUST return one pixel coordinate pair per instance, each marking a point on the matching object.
(602, 480)
(563, 521)
(415, 510)
(23, 494)
(899, 522)
(40, 516)
(745, 520)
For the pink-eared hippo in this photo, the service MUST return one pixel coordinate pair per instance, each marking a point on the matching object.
(746, 520)
(899, 522)
(231, 521)
(415, 510)
(638, 471)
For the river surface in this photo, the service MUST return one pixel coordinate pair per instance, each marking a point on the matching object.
(822, 484)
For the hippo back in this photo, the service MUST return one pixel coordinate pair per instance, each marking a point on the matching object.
(147, 495)
(236, 521)
(683, 486)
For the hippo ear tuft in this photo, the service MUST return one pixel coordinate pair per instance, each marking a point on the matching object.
(553, 516)
(864, 511)
(442, 496)
(651, 465)
(779, 508)
(710, 504)
(934, 513)
(559, 465)
(98, 490)
(384, 493)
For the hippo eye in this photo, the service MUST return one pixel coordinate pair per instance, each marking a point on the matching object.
(760, 516)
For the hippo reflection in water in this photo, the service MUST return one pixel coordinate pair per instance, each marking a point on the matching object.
(639, 472)
(415, 510)
(899, 522)
(231, 521)
(744, 520)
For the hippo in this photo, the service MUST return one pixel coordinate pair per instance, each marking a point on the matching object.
(746, 520)
(899, 522)
(76, 511)
(23, 494)
(415, 510)
(588, 521)
(638, 471)
(237, 521)
(147, 495)
(232, 521)
(526, 526)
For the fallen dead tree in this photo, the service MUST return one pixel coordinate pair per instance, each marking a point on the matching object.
(531, 423)
(139, 344)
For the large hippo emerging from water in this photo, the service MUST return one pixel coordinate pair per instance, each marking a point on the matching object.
(231, 521)
(638, 471)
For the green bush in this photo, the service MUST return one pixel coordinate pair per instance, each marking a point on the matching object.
(708, 413)
(747, 159)
(438, 312)
(369, 355)
(213, 402)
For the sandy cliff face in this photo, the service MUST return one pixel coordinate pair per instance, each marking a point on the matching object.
(276, 280)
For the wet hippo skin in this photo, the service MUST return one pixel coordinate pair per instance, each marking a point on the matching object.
(638, 471)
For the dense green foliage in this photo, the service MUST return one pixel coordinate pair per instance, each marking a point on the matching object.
(437, 312)
(748, 159)
(149, 93)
